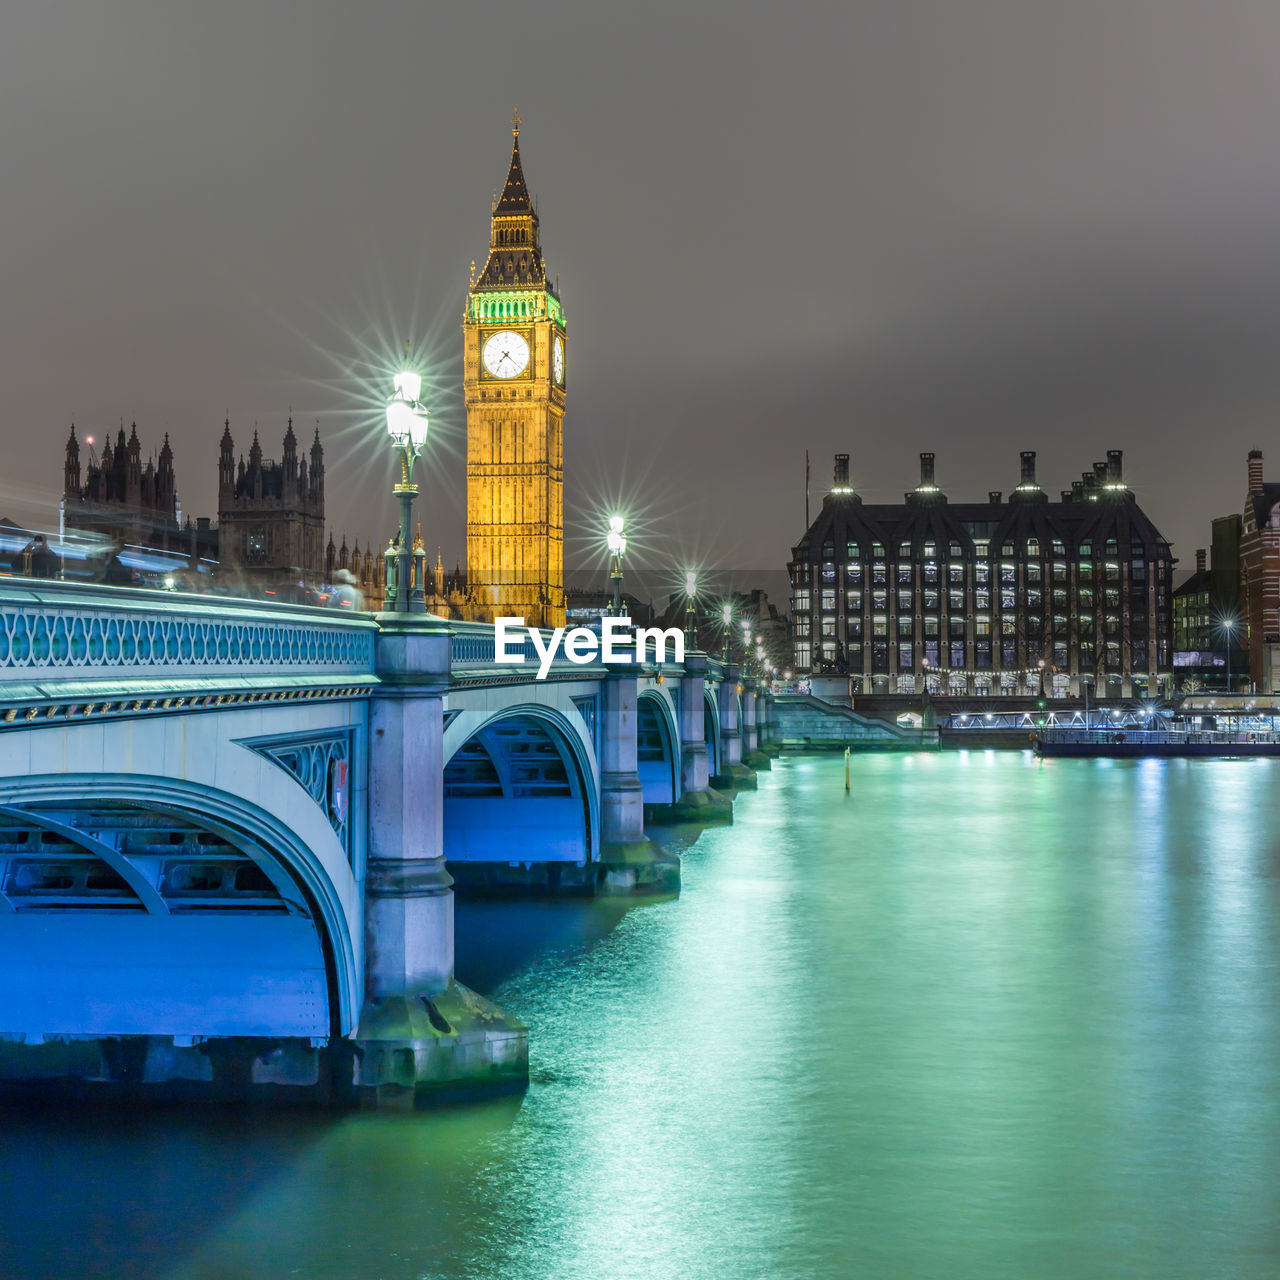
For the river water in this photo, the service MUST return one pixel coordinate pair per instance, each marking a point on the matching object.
(982, 1017)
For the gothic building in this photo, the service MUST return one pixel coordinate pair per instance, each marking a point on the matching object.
(986, 597)
(271, 514)
(120, 498)
(514, 341)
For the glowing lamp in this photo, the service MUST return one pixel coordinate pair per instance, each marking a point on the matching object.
(617, 540)
(408, 386)
(726, 614)
(400, 420)
(690, 583)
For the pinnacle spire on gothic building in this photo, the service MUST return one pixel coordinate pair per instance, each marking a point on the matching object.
(515, 246)
(515, 195)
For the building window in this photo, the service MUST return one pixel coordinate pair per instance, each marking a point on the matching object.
(256, 548)
(800, 601)
(853, 601)
(955, 601)
(828, 599)
(802, 656)
(905, 626)
(879, 625)
(905, 662)
(828, 627)
(957, 653)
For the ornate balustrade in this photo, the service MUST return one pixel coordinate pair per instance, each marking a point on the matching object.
(68, 652)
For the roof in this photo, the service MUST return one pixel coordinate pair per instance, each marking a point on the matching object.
(1201, 580)
(1263, 500)
(844, 519)
(515, 195)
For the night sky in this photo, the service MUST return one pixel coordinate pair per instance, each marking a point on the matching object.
(876, 228)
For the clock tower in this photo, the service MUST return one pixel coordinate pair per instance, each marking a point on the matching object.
(514, 346)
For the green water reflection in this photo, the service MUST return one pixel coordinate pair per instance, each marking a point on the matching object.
(984, 1017)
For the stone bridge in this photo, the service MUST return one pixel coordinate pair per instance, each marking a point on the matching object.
(229, 832)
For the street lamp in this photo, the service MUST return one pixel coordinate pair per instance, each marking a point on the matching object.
(690, 614)
(746, 639)
(617, 546)
(726, 617)
(407, 427)
(1227, 624)
(1040, 664)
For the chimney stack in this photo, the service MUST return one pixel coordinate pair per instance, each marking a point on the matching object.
(1028, 469)
(1077, 491)
(1255, 470)
(926, 470)
(994, 497)
(1115, 471)
(1200, 560)
(842, 470)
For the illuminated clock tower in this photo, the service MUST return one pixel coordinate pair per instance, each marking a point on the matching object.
(514, 340)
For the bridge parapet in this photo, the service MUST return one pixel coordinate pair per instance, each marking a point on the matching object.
(67, 643)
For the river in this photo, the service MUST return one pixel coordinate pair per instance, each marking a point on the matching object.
(984, 1016)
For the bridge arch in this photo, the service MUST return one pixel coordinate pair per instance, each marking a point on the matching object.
(711, 730)
(657, 747)
(521, 785)
(142, 905)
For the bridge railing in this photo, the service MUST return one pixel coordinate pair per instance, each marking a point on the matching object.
(56, 631)
(474, 650)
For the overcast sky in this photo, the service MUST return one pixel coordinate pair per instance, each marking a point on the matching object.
(967, 227)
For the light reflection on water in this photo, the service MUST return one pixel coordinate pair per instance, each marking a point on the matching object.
(984, 1017)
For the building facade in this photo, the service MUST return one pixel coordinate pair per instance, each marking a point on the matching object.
(1260, 577)
(514, 352)
(1207, 615)
(271, 514)
(118, 497)
(1002, 597)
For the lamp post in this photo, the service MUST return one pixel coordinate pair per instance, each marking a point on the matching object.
(407, 427)
(746, 639)
(1227, 624)
(617, 546)
(1040, 664)
(726, 617)
(690, 611)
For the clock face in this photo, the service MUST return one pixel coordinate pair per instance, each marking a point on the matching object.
(557, 360)
(506, 354)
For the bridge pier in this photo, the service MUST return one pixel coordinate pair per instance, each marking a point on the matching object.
(734, 774)
(629, 861)
(753, 756)
(697, 801)
(419, 1031)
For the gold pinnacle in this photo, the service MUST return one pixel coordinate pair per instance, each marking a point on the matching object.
(515, 122)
